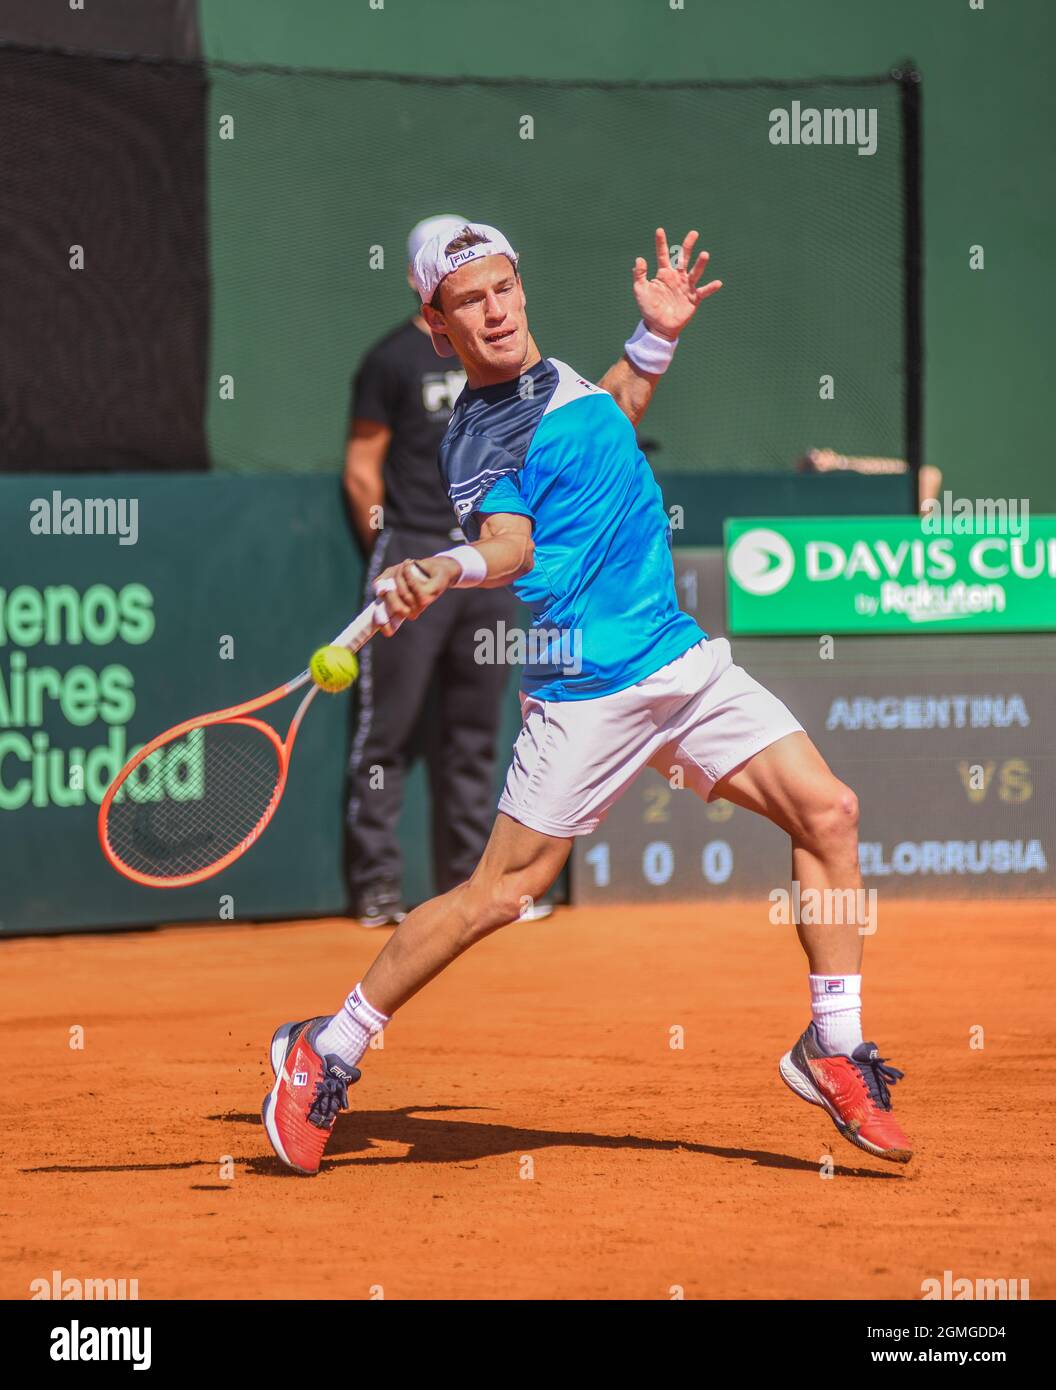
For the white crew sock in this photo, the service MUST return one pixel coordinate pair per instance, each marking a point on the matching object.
(350, 1030)
(836, 1003)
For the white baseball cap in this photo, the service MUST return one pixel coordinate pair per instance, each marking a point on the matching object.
(431, 264)
(445, 225)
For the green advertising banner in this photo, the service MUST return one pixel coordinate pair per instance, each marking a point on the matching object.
(128, 603)
(948, 572)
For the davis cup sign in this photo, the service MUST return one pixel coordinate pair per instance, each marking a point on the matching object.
(888, 574)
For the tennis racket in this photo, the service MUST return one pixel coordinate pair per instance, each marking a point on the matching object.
(195, 798)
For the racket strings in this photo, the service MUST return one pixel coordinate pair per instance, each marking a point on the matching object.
(194, 800)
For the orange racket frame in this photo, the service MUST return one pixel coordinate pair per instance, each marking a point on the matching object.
(355, 635)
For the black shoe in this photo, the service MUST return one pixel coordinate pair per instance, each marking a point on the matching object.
(380, 906)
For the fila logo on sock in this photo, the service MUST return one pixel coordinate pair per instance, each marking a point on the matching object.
(300, 1078)
(833, 986)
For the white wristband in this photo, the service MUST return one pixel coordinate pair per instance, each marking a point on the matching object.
(648, 352)
(471, 562)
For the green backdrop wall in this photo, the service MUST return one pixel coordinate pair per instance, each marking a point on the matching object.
(315, 179)
(989, 109)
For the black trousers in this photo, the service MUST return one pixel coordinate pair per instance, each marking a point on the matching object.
(422, 691)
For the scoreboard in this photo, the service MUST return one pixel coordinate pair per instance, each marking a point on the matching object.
(949, 742)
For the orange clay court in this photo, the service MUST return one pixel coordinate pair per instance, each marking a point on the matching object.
(653, 1167)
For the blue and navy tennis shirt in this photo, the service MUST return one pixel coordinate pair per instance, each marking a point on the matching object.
(551, 446)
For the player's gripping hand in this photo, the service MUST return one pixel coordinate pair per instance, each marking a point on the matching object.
(409, 588)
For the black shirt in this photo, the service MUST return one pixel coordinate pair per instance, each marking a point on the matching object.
(402, 383)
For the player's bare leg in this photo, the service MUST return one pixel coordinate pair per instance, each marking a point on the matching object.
(791, 784)
(315, 1061)
(517, 867)
(830, 1066)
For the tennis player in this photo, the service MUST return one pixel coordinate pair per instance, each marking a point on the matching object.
(547, 482)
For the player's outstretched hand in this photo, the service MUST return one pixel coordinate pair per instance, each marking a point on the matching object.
(409, 588)
(670, 299)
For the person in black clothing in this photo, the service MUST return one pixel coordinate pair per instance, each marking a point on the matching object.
(402, 397)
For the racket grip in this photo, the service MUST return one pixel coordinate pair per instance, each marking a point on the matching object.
(362, 628)
(373, 618)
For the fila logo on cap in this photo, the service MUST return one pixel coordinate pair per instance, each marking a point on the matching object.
(432, 263)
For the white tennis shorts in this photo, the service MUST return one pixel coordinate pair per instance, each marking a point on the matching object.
(574, 758)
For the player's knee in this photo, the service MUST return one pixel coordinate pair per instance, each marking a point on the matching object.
(831, 819)
(488, 906)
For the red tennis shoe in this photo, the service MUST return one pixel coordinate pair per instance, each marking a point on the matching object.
(308, 1094)
(854, 1090)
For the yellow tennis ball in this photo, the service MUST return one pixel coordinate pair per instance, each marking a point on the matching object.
(333, 668)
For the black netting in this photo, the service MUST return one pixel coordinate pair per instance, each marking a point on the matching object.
(102, 367)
